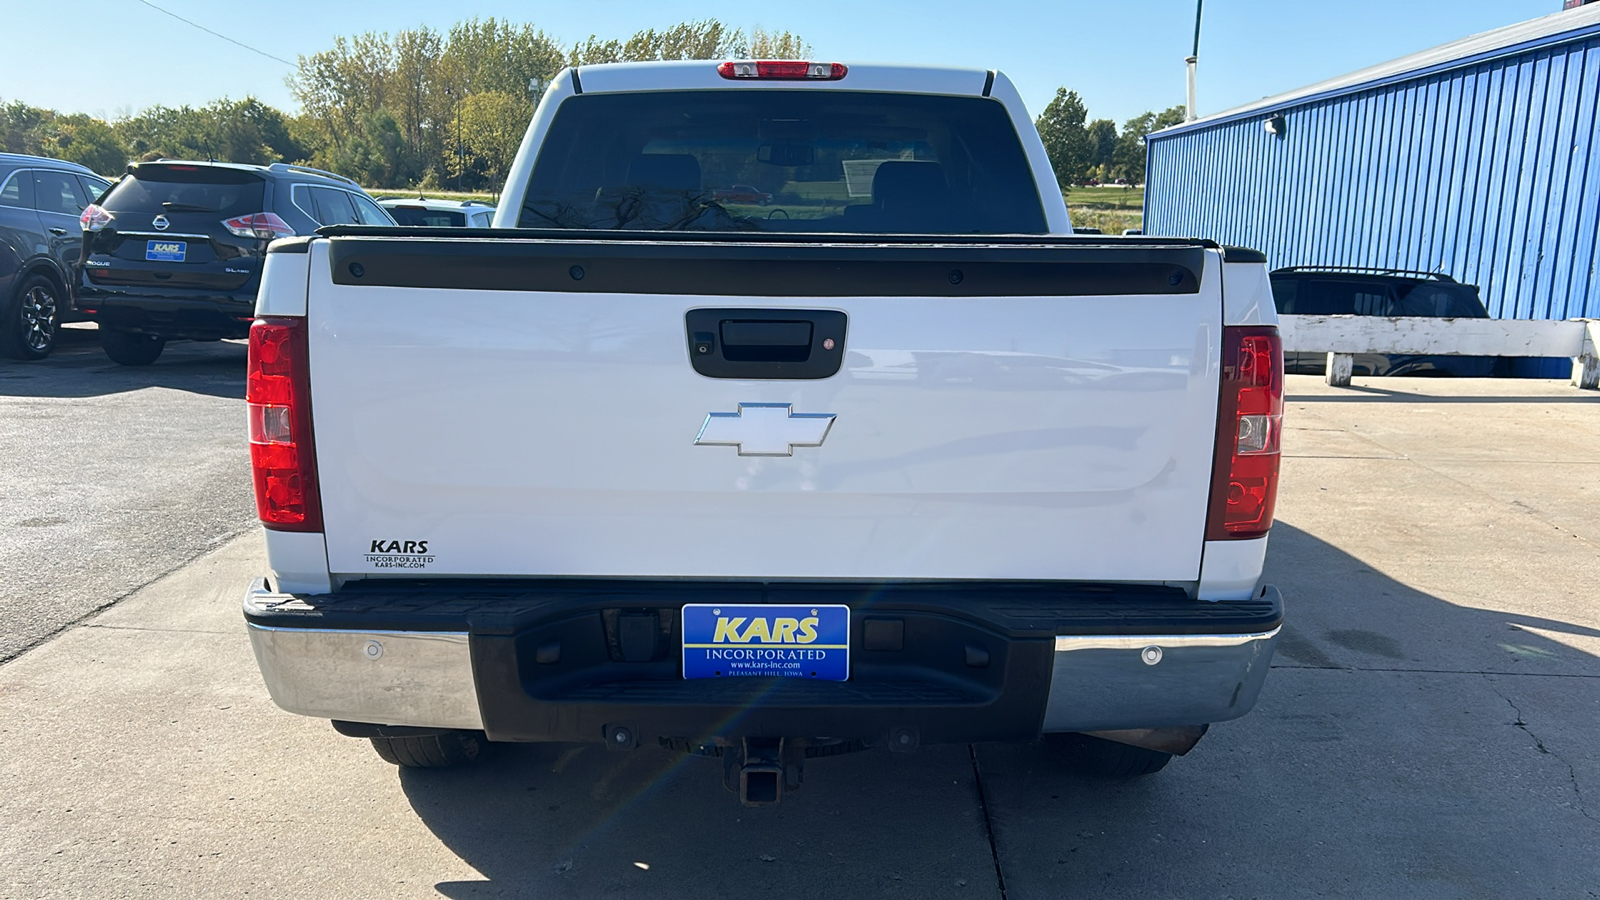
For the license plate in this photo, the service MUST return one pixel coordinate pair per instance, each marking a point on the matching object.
(165, 251)
(722, 640)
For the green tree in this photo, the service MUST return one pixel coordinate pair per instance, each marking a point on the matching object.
(21, 127)
(495, 55)
(90, 142)
(375, 153)
(417, 79)
(413, 93)
(594, 52)
(701, 39)
(1130, 153)
(491, 126)
(1102, 142)
(244, 131)
(1066, 139)
(776, 45)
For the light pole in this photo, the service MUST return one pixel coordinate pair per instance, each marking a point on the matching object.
(1189, 114)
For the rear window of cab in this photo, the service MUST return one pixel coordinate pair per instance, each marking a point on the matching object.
(783, 160)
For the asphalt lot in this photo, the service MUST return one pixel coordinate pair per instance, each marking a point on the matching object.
(1431, 727)
(112, 476)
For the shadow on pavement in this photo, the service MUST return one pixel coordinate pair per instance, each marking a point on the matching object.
(582, 821)
(78, 368)
(1403, 746)
(1400, 749)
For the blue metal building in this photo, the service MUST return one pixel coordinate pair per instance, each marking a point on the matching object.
(1479, 159)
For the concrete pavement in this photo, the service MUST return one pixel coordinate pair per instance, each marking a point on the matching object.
(1431, 729)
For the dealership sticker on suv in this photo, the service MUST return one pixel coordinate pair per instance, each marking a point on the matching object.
(722, 640)
(165, 251)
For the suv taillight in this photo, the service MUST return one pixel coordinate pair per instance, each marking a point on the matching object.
(283, 461)
(1244, 475)
(94, 218)
(263, 225)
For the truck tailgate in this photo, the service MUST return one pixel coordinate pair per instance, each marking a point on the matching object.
(517, 406)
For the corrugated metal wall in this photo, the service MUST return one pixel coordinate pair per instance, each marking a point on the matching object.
(1489, 173)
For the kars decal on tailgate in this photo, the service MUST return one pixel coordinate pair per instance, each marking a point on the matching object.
(399, 555)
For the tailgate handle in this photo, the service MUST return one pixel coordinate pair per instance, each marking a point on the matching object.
(747, 341)
(766, 343)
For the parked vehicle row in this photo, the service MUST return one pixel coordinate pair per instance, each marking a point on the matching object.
(427, 213)
(173, 250)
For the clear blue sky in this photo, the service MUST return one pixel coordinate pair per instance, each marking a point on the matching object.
(112, 57)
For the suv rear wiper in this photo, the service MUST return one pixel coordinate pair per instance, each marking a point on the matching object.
(169, 206)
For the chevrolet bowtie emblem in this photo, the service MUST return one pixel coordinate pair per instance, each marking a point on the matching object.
(765, 429)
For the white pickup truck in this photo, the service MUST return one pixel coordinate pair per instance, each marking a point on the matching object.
(779, 415)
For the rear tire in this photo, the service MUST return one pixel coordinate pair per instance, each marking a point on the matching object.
(1098, 756)
(31, 319)
(129, 348)
(430, 751)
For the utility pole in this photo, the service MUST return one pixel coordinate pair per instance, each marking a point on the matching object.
(1189, 114)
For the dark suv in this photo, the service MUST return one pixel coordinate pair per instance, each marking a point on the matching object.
(174, 251)
(1350, 291)
(40, 200)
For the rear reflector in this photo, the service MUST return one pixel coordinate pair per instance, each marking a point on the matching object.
(283, 460)
(263, 225)
(782, 70)
(1244, 475)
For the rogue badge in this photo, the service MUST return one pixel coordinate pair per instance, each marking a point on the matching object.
(765, 429)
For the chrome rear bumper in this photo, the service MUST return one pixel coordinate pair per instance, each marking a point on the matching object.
(381, 677)
(1156, 681)
(426, 679)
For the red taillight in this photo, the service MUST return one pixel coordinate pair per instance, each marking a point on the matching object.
(782, 70)
(94, 218)
(263, 225)
(278, 394)
(1244, 475)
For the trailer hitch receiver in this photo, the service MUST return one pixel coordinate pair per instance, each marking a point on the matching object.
(761, 769)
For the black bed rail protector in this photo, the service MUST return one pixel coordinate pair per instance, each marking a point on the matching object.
(823, 266)
(637, 236)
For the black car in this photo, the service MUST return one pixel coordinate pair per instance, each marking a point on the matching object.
(40, 201)
(175, 250)
(1349, 291)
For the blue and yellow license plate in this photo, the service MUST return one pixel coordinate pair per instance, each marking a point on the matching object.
(165, 251)
(722, 640)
